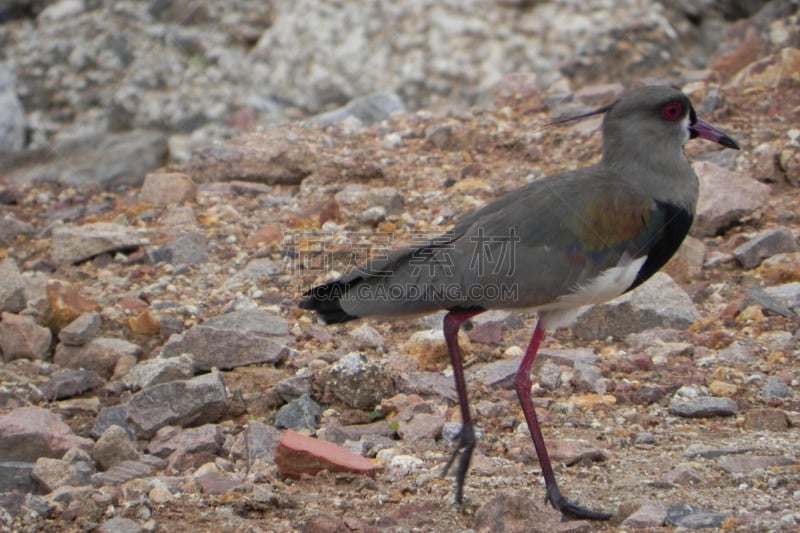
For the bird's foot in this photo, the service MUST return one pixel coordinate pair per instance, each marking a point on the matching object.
(466, 444)
(573, 510)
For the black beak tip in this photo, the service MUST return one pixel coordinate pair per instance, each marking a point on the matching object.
(728, 142)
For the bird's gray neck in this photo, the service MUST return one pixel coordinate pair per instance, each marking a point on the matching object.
(662, 172)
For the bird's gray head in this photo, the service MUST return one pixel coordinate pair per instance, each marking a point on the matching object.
(657, 119)
(643, 136)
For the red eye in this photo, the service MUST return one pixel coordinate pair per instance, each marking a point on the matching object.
(672, 111)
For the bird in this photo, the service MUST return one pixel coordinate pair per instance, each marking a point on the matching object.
(558, 243)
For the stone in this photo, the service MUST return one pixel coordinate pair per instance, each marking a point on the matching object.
(775, 387)
(256, 443)
(54, 473)
(365, 336)
(687, 263)
(780, 268)
(683, 475)
(116, 159)
(165, 188)
(125, 471)
(765, 420)
(194, 401)
(65, 303)
(703, 407)
(428, 347)
(188, 249)
(60, 11)
(28, 433)
(72, 244)
(70, 383)
(16, 475)
(746, 463)
(256, 270)
(233, 339)
(100, 355)
(488, 327)
(421, 426)
(693, 517)
(282, 155)
(159, 370)
(120, 525)
(367, 109)
(144, 324)
(300, 414)
(570, 452)
(359, 382)
(81, 330)
(113, 447)
(218, 483)
(354, 198)
(787, 294)
(297, 454)
(187, 448)
(765, 244)
(516, 513)
(775, 70)
(116, 415)
(648, 515)
(12, 286)
(725, 197)
(22, 338)
(659, 302)
(12, 114)
(11, 228)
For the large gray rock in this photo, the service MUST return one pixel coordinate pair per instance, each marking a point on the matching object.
(159, 370)
(765, 244)
(70, 383)
(181, 403)
(73, 244)
(234, 339)
(659, 302)
(111, 160)
(81, 330)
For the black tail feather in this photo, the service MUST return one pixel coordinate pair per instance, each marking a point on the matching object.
(325, 300)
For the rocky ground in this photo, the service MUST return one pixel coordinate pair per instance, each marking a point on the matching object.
(157, 374)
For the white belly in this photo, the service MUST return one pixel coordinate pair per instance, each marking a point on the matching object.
(607, 286)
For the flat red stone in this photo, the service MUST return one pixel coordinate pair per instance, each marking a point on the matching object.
(297, 454)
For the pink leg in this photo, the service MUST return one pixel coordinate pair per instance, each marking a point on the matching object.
(522, 383)
(452, 323)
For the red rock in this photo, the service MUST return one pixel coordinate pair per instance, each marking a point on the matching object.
(297, 454)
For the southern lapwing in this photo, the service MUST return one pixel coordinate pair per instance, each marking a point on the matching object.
(564, 241)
